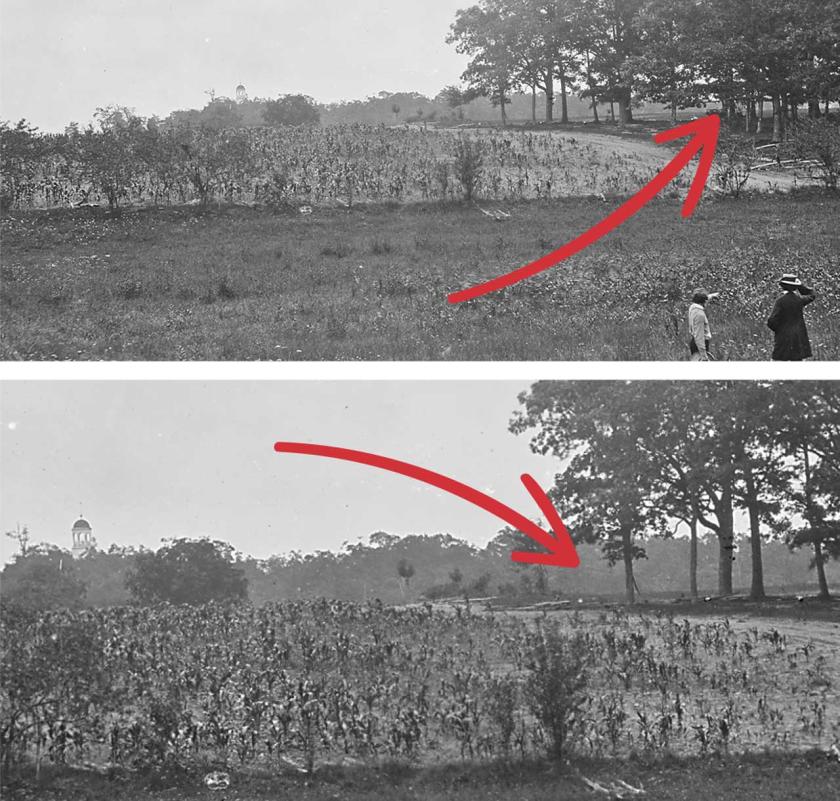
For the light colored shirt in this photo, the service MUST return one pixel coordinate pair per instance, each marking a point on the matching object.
(698, 327)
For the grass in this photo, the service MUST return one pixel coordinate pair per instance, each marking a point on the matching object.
(764, 777)
(370, 283)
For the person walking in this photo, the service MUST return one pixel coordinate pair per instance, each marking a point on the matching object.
(787, 322)
(698, 327)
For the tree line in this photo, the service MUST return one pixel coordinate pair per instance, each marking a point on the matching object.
(386, 567)
(643, 457)
(682, 53)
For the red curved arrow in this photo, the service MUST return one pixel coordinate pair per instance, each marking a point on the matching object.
(704, 138)
(561, 549)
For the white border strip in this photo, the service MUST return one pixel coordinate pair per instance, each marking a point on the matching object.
(417, 371)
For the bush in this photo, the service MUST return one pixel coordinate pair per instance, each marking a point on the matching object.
(469, 164)
(736, 157)
(818, 141)
(556, 686)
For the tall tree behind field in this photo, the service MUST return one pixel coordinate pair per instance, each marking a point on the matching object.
(807, 418)
(614, 48)
(668, 61)
(482, 32)
(676, 437)
(607, 486)
(748, 431)
(544, 32)
(187, 572)
(291, 110)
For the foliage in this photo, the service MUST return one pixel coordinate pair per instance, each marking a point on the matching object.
(736, 158)
(42, 578)
(469, 165)
(556, 686)
(637, 455)
(677, 52)
(187, 571)
(314, 683)
(291, 110)
(144, 164)
(819, 142)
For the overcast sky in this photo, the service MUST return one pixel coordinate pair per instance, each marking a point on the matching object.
(149, 460)
(61, 60)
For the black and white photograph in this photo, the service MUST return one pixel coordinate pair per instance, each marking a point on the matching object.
(513, 180)
(420, 590)
(425, 401)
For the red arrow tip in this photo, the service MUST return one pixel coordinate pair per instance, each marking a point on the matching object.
(704, 133)
(560, 548)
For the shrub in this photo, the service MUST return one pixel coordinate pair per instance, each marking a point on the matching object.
(469, 164)
(818, 141)
(555, 687)
(736, 157)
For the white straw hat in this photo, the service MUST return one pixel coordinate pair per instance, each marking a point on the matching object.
(789, 279)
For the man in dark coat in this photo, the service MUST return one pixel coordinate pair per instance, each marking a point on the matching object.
(788, 322)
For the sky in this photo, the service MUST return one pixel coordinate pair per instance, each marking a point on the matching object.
(61, 60)
(144, 461)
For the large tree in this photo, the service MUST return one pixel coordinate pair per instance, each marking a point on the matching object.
(44, 577)
(483, 33)
(606, 488)
(187, 572)
(667, 63)
(292, 110)
(807, 421)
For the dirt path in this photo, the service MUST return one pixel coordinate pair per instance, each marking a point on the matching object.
(652, 156)
(824, 633)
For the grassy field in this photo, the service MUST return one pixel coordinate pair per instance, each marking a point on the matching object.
(765, 777)
(370, 283)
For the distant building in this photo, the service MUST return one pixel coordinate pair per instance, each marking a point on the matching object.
(241, 94)
(83, 540)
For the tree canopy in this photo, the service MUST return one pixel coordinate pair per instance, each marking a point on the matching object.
(187, 572)
(681, 53)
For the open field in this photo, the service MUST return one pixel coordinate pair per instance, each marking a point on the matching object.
(371, 282)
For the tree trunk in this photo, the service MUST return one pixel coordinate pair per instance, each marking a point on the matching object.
(778, 119)
(757, 583)
(533, 103)
(564, 106)
(612, 110)
(625, 112)
(591, 88)
(549, 98)
(813, 522)
(726, 540)
(814, 109)
(759, 126)
(692, 566)
(825, 595)
(627, 555)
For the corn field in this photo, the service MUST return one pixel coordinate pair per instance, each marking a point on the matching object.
(319, 682)
(336, 166)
